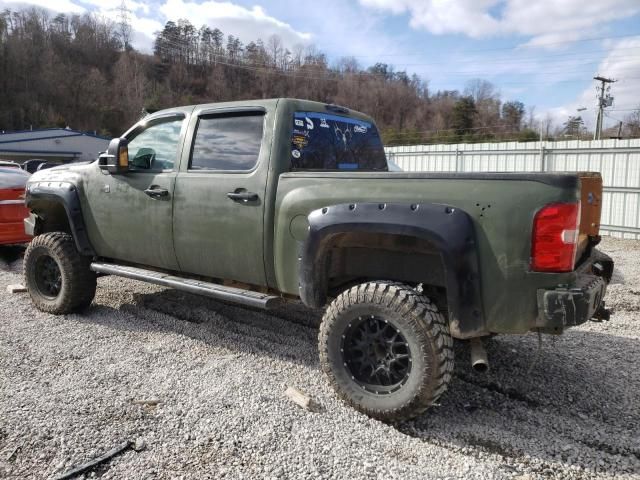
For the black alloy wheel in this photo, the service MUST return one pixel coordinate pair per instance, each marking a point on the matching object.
(376, 354)
(48, 276)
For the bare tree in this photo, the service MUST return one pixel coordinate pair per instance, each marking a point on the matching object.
(632, 124)
(81, 70)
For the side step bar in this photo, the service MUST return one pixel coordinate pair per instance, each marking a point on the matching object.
(213, 290)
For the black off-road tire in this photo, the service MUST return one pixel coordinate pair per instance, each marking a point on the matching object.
(54, 255)
(427, 339)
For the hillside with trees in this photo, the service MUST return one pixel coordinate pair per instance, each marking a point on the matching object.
(81, 71)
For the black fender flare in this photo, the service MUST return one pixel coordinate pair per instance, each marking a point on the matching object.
(65, 194)
(450, 229)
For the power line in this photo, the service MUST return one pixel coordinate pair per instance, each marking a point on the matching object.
(513, 47)
(606, 114)
(581, 56)
(272, 69)
(178, 42)
(506, 129)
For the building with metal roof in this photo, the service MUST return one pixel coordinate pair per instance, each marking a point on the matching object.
(55, 145)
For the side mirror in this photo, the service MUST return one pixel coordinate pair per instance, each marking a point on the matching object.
(116, 159)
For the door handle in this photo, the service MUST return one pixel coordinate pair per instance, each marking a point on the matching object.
(243, 196)
(156, 192)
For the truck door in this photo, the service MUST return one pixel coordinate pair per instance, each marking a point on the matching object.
(219, 196)
(129, 215)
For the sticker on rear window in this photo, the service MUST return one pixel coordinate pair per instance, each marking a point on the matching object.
(339, 143)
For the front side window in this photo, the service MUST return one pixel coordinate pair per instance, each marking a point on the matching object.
(322, 141)
(227, 142)
(156, 147)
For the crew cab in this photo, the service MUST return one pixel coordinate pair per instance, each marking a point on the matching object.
(269, 201)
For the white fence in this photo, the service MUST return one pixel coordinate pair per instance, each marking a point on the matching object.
(617, 160)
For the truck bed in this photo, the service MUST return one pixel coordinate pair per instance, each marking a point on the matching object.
(502, 207)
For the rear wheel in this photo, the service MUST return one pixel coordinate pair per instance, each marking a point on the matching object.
(58, 278)
(386, 350)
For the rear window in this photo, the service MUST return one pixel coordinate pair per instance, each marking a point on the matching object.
(322, 141)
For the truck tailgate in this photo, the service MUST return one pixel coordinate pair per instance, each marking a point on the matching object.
(591, 209)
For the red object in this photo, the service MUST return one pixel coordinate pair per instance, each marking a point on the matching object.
(555, 238)
(12, 208)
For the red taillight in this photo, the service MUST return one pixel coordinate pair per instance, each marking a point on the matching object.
(555, 238)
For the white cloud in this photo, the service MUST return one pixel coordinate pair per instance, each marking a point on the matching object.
(131, 5)
(63, 6)
(345, 31)
(143, 28)
(621, 65)
(146, 18)
(246, 24)
(547, 21)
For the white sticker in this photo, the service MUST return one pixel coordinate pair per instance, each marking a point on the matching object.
(359, 129)
(295, 153)
(309, 123)
(323, 123)
(299, 123)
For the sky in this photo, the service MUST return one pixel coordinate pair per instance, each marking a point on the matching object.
(544, 53)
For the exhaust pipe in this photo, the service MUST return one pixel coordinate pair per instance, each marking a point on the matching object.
(479, 361)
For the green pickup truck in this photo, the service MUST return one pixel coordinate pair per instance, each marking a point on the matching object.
(268, 201)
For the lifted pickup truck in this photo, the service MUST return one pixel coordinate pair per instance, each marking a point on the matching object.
(260, 202)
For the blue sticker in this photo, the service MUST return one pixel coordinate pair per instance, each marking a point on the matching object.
(348, 166)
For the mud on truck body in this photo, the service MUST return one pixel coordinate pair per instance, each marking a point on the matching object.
(264, 202)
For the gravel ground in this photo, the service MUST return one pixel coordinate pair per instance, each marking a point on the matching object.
(69, 386)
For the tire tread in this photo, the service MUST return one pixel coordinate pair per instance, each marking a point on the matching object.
(424, 316)
(81, 281)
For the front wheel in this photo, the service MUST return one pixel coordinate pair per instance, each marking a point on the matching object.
(57, 277)
(386, 350)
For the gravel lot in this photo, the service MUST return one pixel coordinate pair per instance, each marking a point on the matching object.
(69, 386)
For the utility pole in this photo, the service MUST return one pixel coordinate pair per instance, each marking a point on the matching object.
(604, 100)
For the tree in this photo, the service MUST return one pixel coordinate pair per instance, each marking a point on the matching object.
(632, 124)
(512, 115)
(487, 101)
(77, 70)
(275, 49)
(573, 126)
(480, 90)
(463, 115)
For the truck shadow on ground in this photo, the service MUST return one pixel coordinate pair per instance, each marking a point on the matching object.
(11, 257)
(570, 401)
(617, 277)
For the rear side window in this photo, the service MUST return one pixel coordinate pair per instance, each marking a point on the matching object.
(322, 141)
(229, 142)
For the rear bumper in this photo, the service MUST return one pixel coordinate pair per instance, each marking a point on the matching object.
(567, 306)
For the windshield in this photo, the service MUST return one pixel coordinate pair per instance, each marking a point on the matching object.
(321, 141)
